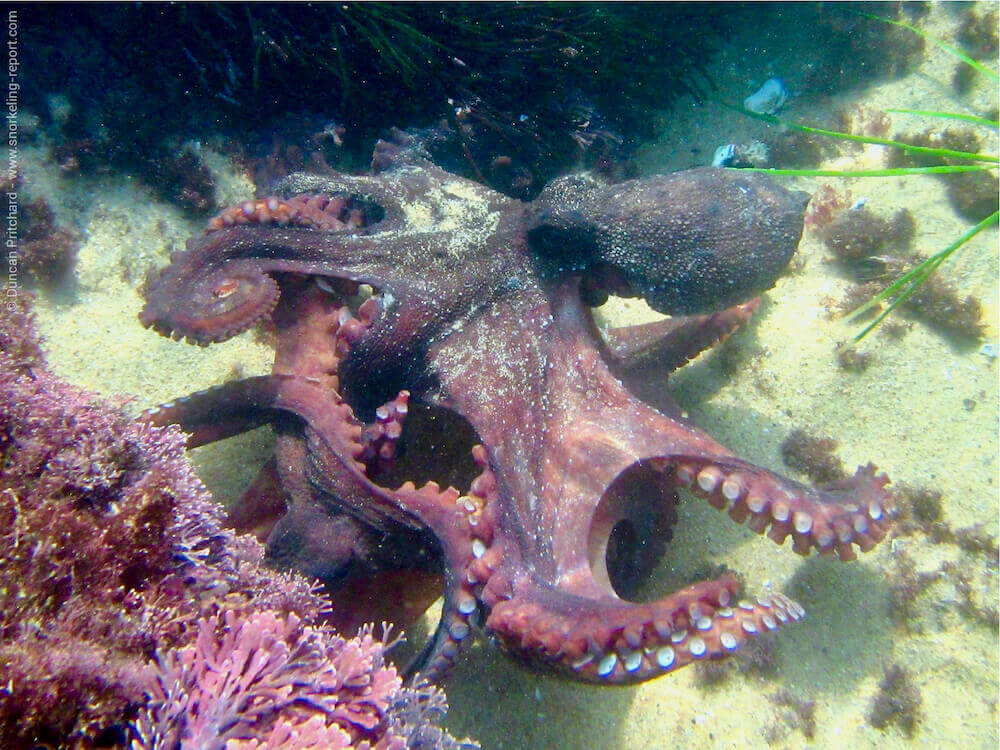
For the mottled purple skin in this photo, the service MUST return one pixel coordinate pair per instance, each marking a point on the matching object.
(483, 316)
(690, 242)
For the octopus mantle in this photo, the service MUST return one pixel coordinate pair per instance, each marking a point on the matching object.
(414, 312)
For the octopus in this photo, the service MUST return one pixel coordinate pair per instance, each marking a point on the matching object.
(431, 333)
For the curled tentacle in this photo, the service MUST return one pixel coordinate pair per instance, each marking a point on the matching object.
(223, 283)
(224, 304)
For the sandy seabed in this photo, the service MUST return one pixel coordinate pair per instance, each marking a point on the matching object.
(925, 411)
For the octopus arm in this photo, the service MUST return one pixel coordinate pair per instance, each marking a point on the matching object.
(671, 343)
(609, 641)
(218, 412)
(223, 283)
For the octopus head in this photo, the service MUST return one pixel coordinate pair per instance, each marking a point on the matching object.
(690, 242)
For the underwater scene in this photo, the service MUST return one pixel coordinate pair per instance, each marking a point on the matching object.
(501, 375)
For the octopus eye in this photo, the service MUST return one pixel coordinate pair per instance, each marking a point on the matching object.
(225, 289)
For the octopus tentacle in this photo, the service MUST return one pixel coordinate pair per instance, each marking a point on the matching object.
(228, 303)
(263, 503)
(334, 434)
(358, 190)
(218, 412)
(673, 342)
(614, 642)
(444, 511)
(854, 511)
(380, 436)
(336, 452)
(227, 291)
(316, 327)
(466, 525)
(322, 212)
(231, 408)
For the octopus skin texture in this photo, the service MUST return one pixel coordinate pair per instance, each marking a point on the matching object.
(427, 327)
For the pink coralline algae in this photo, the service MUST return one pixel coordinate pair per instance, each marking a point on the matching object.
(266, 681)
(129, 616)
